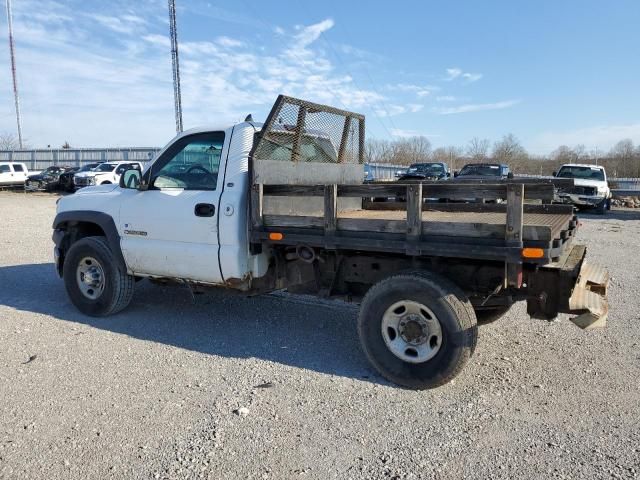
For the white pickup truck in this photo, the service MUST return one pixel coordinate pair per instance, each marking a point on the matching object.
(13, 174)
(264, 207)
(104, 174)
(590, 188)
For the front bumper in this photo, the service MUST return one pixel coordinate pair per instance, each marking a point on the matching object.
(570, 285)
(580, 200)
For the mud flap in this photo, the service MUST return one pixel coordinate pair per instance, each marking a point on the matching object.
(589, 297)
(570, 285)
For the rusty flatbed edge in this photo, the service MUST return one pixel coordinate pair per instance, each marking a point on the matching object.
(536, 226)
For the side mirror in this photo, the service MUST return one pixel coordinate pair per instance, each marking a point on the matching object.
(555, 174)
(131, 178)
(455, 173)
(510, 175)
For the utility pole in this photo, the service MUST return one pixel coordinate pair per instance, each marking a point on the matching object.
(12, 51)
(177, 97)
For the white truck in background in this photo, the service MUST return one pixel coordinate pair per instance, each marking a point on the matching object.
(104, 174)
(590, 189)
(13, 174)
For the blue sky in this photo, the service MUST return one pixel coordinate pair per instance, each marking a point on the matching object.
(552, 72)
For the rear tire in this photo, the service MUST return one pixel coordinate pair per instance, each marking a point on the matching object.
(95, 281)
(433, 307)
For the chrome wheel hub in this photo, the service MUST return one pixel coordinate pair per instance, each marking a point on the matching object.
(411, 331)
(90, 277)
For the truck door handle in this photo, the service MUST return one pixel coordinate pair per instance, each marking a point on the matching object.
(205, 210)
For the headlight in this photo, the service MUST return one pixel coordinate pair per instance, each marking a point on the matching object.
(91, 181)
(602, 190)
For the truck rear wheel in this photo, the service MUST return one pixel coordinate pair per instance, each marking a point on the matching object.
(418, 330)
(95, 282)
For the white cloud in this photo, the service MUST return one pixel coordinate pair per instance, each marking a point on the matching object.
(472, 77)
(456, 73)
(110, 79)
(475, 107)
(393, 109)
(453, 73)
(309, 34)
(402, 133)
(446, 98)
(601, 136)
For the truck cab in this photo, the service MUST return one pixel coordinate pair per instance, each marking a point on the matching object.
(188, 221)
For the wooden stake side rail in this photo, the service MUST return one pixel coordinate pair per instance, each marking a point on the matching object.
(450, 190)
(414, 234)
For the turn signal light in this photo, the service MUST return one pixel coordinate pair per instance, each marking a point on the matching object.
(275, 236)
(532, 252)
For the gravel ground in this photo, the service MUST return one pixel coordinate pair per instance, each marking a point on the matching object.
(277, 387)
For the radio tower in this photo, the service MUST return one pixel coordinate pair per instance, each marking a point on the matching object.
(177, 97)
(13, 72)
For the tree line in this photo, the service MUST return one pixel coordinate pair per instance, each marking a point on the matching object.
(623, 160)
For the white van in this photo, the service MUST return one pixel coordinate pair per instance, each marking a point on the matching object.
(13, 174)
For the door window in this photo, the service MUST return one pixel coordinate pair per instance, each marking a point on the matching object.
(5, 169)
(18, 168)
(192, 163)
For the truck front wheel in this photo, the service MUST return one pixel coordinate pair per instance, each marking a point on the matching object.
(418, 330)
(95, 282)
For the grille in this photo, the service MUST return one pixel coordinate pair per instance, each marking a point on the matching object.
(580, 190)
(82, 181)
(301, 131)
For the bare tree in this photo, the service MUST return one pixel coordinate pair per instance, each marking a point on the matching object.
(8, 141)
(478, 149)
(509, 150)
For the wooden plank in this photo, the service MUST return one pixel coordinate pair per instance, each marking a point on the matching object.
(330, 209)
(471, 207)
(344, 139)
(256, 205)
(468, 228)
(450, 190)
(414, 211)
(513, 232)
(515, 194)
(297, 139)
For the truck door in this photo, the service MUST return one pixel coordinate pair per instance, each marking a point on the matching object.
(171, 229)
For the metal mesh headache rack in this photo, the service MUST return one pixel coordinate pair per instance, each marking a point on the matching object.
(304, 143)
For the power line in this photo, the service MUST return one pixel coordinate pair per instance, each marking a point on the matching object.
(13, 72)
(177, 96)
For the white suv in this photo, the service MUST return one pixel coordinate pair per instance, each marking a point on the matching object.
(590, 187)
(104, 174)
(12, 174)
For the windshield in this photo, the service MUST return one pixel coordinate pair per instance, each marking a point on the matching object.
(104, 167)
(586, 173)
(427, 168)
(89, 166)
(482, 170)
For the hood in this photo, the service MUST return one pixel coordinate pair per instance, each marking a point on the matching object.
(583, 182)
(110, 187)
(86, 174)
(478, 177)
(37, 177)
(418, 175)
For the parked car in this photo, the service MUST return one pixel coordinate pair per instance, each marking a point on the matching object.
(47, 180)
(426, 171)
(484, 171)
(66, 179)
(104, 174)
(590, 188)
(12, 174)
